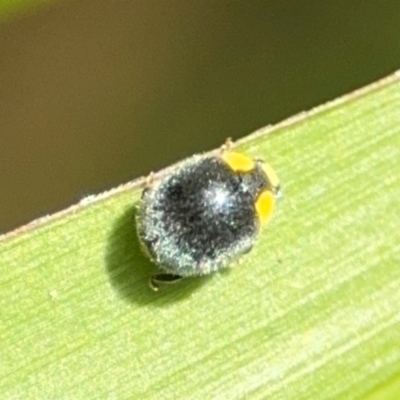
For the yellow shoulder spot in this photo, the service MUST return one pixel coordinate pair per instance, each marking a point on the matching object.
(271, 175)
(264, 206)
(238, 162)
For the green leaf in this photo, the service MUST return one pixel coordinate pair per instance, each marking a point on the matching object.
(313, 312)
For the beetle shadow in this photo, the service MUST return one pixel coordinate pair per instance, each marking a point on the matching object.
(130, 270)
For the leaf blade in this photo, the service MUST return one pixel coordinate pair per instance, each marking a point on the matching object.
(311, 312)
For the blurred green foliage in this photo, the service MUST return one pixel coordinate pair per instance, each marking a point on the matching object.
(12, 8)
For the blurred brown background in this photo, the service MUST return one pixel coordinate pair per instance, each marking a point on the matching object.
(94, 93)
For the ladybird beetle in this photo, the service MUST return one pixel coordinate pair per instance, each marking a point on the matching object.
(205, 213)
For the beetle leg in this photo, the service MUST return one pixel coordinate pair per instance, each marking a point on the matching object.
(163, 279)
(227, 146)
